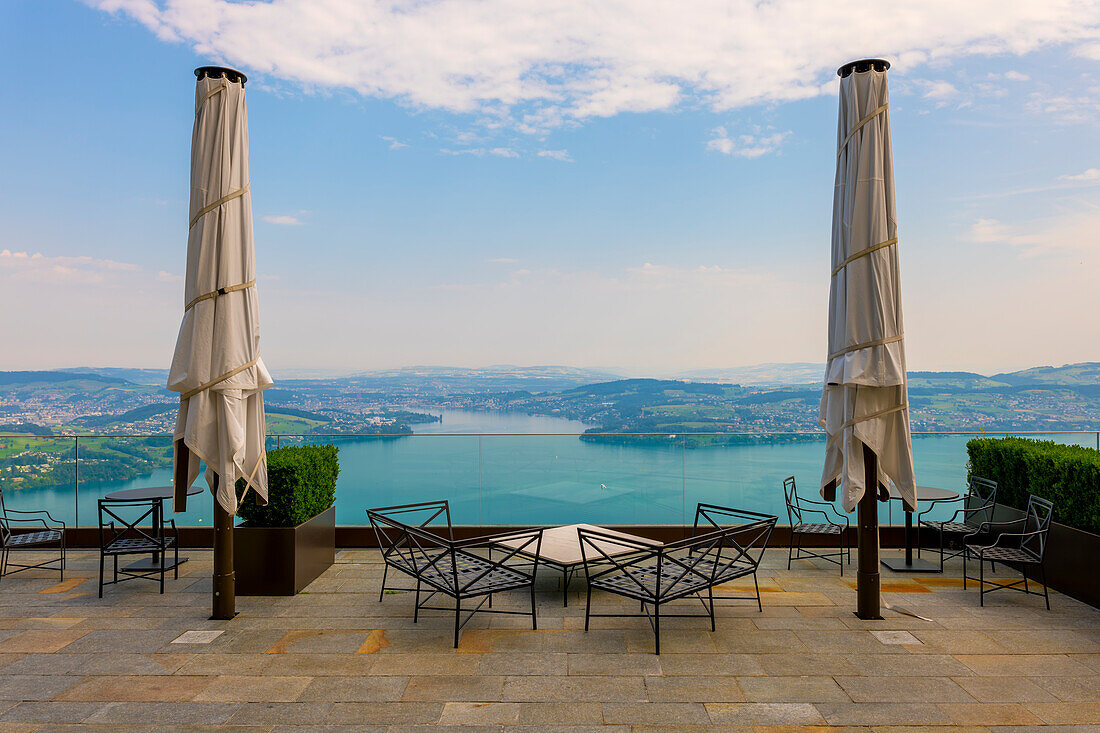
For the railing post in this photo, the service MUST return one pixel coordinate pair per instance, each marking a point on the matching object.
(76, 480)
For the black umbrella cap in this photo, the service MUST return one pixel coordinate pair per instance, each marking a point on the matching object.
(217, 72)
(861, 66)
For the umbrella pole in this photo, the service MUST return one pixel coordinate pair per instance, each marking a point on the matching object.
(867, 574)
(224, 580)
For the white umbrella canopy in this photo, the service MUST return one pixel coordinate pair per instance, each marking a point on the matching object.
(217, 367)
(865, 398)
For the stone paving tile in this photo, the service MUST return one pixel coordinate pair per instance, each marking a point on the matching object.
(354, 689)
(285, 713)
(1071, 689)
(761, 713)
(693, 689)
(523, 663)
(655, 713)
(1005, 689)
(1066, 713)
(164, 713)
(989, 713)
(557, 714)
(51, 712)
(480, 713)
(791, 689)
(579, 688)
(909, 689)
(465, 688)
(1023, 665)
(613, 664)
(44, 641)
(150, 688)
(238, 688)
(384, 713)
(34, 687)
(883, 713)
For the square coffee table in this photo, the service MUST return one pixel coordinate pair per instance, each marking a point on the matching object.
(561, 549)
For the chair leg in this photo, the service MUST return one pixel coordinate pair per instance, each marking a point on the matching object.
(416, 609)
(534, 618)
(942, 542)
(458, 614)
(101, 575)
(63, 556)
(1024, 573)
(759, 605)
(382, 590)
(657, 626)
(841, 563)
(964, 564)
(981, 580)
(176, 569)
(790, 550)
(710, 592)
(587, 607)
(1046, 595)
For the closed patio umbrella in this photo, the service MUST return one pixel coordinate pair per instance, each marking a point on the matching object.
(216, 367)
(864, 403)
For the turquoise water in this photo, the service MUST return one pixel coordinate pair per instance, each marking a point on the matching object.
(553, 479)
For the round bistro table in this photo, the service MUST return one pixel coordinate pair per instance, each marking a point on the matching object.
(907, 564)
(159, 493)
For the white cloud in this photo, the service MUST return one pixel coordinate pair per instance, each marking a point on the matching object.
(166, 277)
(538, 66)
(482, 152)
(1092, 174)
(62, 269)
(394, 143)
(1072, 232)
(1016, 76)
(1076, 107)
(285, 220)
(748, 145)
(562, 155)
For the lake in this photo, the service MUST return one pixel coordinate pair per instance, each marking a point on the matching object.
(540, 472)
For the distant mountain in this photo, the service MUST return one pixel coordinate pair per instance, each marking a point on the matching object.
(765, 375)
(495, 378)
(149, 377)
(1086, 373)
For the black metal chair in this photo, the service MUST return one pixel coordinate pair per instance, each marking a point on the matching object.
(797, 507)
(451, 567)
(29, 539)
(979, 504)
(656, 575)
(121, 534)
(1020, 549)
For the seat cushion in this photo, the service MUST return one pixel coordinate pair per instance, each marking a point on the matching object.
(1004, 554)
(950, 527)
(817, 529)
(34, 538)
(137, 545)
(475, 575)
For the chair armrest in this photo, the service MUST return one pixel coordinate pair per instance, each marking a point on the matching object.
(828, 519)
(827, 504)
(931, 504)
(496, 539)
(985, 527)
(12, 520)
(1002, 535)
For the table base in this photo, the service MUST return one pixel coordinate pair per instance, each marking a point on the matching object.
(149, 565)
(898, 565)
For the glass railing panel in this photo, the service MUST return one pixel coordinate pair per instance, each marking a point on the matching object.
(39, 473)
(115, 463)
(571, 479)
(388, 470)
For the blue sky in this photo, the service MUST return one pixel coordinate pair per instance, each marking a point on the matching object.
(469, 184)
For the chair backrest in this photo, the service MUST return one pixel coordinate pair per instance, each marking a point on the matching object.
(403, 531)
(752, 529)
(790, 495)
(1038, 517)
(981, 500)
(121, 519)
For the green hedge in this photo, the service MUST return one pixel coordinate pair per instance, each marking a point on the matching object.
(1067, 475)
(301, 483)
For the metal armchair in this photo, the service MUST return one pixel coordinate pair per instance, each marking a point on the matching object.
(30, 538)
(656, 575)
(121, 533)
(797, 510)
(978, 506)
(453, 567)
(1023, 548)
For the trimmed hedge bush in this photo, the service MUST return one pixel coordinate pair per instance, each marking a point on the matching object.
(301, 483)
(1068, 475)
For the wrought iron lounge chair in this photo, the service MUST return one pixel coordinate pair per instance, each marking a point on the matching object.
(1020, 549)
(797, 507)
(451, 567)
(690, 567)
(52, 532)
(979, 504)
(121, 533)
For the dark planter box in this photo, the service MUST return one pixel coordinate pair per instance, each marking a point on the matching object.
(281, 561)
(1070, 559)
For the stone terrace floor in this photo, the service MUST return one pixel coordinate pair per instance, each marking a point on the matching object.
(334, 658)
